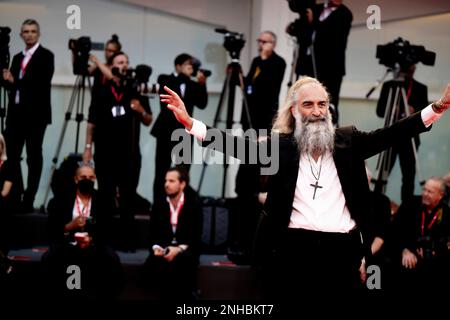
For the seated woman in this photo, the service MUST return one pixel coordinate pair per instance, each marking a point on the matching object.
(78, 230)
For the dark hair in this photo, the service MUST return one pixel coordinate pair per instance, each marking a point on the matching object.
(182, 58)
(183, 174)
(31, 22)
(115, 54)
(115, 41)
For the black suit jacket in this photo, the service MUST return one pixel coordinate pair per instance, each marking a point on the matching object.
(330, 42)
(189, 228)
(34, 87)
(195, 95)
(60, 213)
(263, 90)
(352, 147)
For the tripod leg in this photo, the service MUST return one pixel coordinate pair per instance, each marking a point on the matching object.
(68, 115)
(225, 86)
(413, 141)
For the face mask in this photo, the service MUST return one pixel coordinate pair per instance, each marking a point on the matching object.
(86, 186)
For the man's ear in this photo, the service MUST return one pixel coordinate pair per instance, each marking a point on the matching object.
(292, 110)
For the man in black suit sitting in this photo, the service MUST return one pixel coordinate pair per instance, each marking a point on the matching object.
(175, 233)
(29, 110)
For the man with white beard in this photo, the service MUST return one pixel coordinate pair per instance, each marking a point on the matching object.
(316, 208)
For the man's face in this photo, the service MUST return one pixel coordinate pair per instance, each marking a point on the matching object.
(312, 102)
(85, 173)
(121, 62)
(432, 194)
(173, 185)
(186, 68)
(265, 42)
(30, 34)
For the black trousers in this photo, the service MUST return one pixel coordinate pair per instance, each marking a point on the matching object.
(32, 136)
(171, 280)
(101, 273)
(312, 261)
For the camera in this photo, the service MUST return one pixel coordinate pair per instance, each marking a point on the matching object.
(196, 64)
(403, 54)
(81, 49)
(233, 43)
(134, 78)
(4, 47)
(297, 27)
(300, 6)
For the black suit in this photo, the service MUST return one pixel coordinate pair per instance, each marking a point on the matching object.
(330, 43)
(26, 121)
(180, 274)
(352, 147)
(417, 96)
(263, 83)
(195, 95)
(101, 271)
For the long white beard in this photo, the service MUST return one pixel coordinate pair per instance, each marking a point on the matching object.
(314, 135)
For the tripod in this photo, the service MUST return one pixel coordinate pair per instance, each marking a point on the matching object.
(233, 78)
(3, 95)
(76, 99)
(396, 101)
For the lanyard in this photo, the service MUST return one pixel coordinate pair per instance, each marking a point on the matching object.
(175, 211)
(84, 213)
(116, 95)
(23, 65)
(422, 226)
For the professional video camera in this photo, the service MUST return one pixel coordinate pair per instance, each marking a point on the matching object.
(134, 79)
(81, 49)
(299, 6)
(403, 54)
(4, 47)
(196, 64)
(234, 42)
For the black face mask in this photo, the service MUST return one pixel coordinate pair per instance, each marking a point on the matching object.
(86, 186)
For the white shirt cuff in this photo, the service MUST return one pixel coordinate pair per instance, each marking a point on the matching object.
(157, 246)
(429, 116)
(198, 129)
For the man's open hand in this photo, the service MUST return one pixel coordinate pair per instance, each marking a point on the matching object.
(175, 104)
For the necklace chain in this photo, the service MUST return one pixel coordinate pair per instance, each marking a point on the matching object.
(312, 171)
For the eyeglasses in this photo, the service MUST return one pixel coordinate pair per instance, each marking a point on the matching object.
(263, 41)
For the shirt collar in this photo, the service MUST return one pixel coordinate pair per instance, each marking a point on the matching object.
(31, 50)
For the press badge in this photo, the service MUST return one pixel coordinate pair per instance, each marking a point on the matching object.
(118, 111)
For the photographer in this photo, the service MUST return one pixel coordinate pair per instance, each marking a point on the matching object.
(194, 94)
(417, 98)
(112, 46)
(117, 109)
(422, 225)
(326, 26)
(29, 109)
